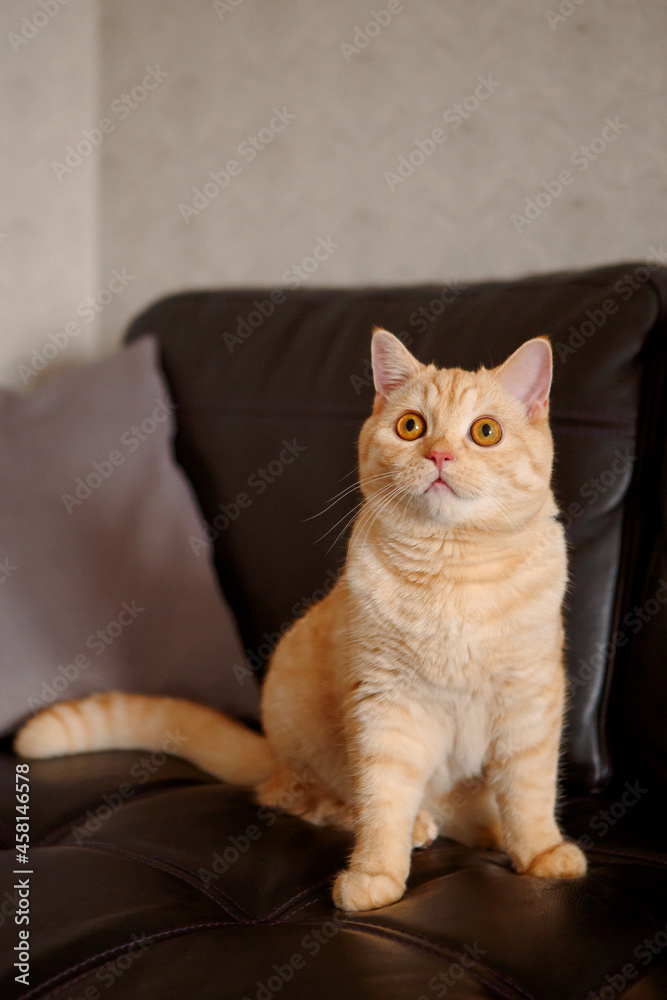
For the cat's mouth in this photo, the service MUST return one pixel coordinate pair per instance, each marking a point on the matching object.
(438, 485)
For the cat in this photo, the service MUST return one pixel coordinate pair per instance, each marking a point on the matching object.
(425, 693)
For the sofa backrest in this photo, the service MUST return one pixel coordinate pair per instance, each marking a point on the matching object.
(271, 389)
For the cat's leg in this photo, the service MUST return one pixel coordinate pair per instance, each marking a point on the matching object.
(524, 779)
(392, 762)
(425, 829)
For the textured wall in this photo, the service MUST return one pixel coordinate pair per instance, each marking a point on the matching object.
(378, 168)
(48, 224)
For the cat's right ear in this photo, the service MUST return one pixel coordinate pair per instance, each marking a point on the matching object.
(526, 375)
(393, 365)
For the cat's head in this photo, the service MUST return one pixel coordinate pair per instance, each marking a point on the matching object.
(454, 448)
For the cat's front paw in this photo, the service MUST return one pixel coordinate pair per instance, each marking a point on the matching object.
(358, 890)
(564, 860)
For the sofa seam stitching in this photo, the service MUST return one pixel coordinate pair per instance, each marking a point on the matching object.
(172, 932)
(171, 868)
(436, 949)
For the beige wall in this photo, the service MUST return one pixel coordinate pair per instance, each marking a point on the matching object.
(49, 237)
(184, 85)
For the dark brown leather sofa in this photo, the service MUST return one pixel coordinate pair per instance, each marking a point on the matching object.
(190, 891)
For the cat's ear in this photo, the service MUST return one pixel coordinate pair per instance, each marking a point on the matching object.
(527, 375)
(393, 365)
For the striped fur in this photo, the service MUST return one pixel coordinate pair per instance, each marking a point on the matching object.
(425, 692)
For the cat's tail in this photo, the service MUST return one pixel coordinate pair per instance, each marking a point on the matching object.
(115, 721)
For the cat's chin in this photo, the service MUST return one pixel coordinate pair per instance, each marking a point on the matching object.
(442, 506)
(440, 496)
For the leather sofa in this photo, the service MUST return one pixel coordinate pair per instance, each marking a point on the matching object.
(189, 889)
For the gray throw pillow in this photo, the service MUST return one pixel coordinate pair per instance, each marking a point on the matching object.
(100, 585)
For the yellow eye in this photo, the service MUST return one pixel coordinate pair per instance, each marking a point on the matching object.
(410, 426)
(486, 431)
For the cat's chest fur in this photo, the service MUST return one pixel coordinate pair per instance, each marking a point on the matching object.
(458, 634)
(454, 616)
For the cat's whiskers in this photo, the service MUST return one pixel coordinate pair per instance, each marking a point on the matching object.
(515, 522)
(384, 491)
(506, 511)
(374, 513)
(347, 475)
(345, 492)
(399, 494)
(348, 517)
(342, 531)
(525, 493)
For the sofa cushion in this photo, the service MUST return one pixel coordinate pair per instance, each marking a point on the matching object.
(177, 886)
(99, 586)
(273, 388)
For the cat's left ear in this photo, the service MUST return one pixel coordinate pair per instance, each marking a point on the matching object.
(393, 365)
(526, 375)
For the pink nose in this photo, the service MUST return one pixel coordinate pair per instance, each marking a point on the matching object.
(440, 457)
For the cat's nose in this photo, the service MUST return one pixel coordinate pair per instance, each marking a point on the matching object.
(440, 457)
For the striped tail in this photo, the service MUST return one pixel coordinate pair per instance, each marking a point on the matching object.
(116, 721)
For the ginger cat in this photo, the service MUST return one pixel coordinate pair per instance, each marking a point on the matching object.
(425, 692)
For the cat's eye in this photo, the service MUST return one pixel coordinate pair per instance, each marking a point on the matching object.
(410, 426)
(486, 431)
